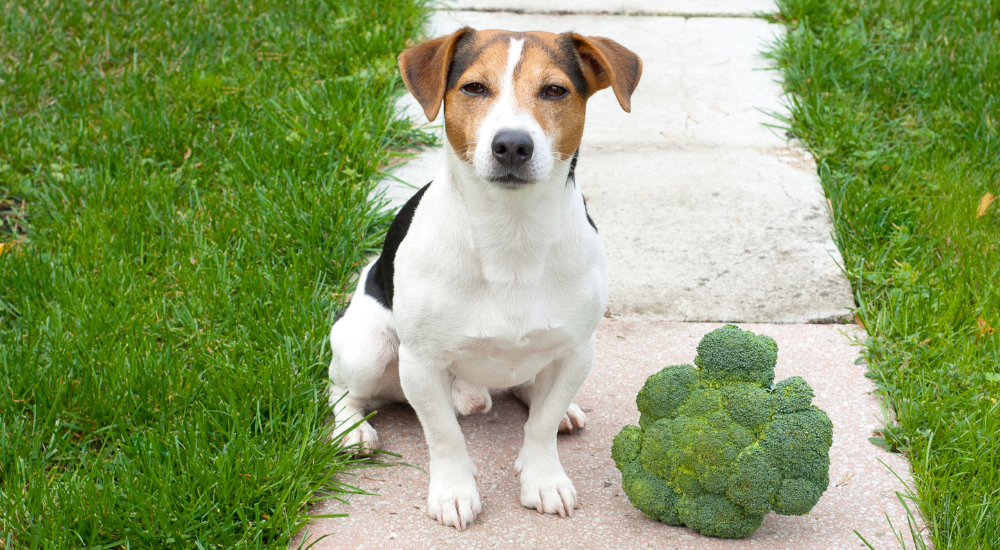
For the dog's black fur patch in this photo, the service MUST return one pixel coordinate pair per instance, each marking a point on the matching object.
(572, 176)
(570, 62)
(378, 285)
(374, 286)
(589, 220)
(463, 55)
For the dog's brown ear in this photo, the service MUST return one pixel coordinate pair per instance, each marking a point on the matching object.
(424, 68)
(608, 63)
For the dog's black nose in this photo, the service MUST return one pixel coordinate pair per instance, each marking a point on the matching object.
(512, 149)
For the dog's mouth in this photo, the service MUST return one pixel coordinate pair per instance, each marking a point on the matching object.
(511, 181)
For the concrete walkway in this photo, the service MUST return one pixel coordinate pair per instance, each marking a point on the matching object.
(707, 215)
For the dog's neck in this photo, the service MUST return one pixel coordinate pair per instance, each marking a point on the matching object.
(512, 230)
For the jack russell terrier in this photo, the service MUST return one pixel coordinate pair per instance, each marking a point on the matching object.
(492, 275)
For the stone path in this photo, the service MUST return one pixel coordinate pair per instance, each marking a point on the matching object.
(707, 215)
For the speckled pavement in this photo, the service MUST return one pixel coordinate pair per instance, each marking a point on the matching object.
(707, 215)
(861, 488)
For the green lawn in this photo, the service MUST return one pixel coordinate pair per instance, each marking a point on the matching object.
(900, 102)
(182, 201)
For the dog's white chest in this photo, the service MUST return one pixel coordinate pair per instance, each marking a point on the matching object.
(501, 336)
(502, 361)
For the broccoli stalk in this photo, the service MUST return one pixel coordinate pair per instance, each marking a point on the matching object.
(720, 446)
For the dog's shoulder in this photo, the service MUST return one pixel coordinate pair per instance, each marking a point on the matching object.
(379, 283)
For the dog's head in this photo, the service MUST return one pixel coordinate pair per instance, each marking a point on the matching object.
(515, 102)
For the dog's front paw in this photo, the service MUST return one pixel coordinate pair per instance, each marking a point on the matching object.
(573, 420)
(454, 502)
(547, 490)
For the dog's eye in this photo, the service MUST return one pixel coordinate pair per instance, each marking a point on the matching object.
(554, 91)
(475, 88)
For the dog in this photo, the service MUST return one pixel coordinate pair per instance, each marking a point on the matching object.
(493, 275)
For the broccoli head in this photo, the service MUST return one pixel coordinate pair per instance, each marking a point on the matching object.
(720, 446)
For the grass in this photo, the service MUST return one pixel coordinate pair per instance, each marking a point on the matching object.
(183, 197)
(900, 102)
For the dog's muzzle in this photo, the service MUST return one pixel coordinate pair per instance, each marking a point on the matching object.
(511, 151)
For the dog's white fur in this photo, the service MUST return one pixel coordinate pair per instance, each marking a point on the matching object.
(494, 288)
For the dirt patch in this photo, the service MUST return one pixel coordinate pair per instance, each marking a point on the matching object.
(13, 217)
(796, 157)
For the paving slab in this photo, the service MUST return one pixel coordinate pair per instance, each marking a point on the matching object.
(716, 8)
(861, 491)
(715, 234)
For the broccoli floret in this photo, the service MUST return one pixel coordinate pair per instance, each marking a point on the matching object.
(715, 515)
(626, 446)
(716, 449)
(753, 482)
(793, 395)
(796, 497)
(652, 495)
(665, 391)
(799, 444)
(729, 355)
(747, 404)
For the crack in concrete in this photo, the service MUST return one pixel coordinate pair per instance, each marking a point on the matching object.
(711, 283)
(636, 13)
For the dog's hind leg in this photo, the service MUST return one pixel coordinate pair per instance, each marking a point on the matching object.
(351, 428)
(361, 378)
(573, 420)
(364, 370)
(470, 399)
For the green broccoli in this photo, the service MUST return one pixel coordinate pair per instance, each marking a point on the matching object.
(720, 446)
